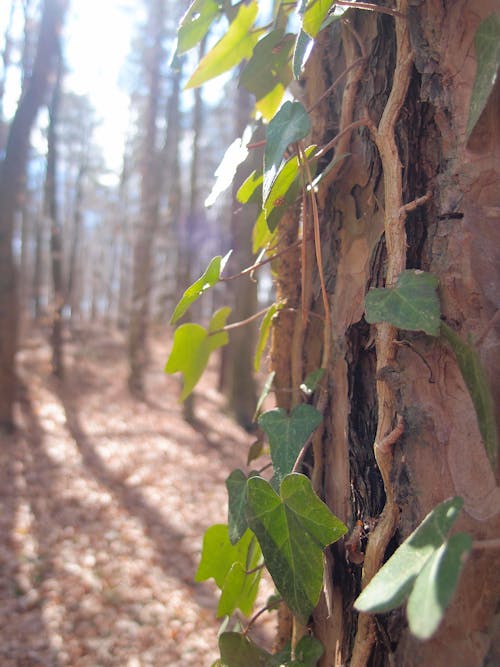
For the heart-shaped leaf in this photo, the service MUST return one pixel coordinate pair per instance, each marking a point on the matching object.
(241, 585)
(209, 278)
(292, 528)
(435, 585)
(289, 125)
(238, 650)
(413, 304)
(237, 44)
(487, 44)
(236, 485)
(288, 434)
(394, 581)
(195, 24)
(192, 348)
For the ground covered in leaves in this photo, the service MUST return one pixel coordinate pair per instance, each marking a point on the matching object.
(104, 503)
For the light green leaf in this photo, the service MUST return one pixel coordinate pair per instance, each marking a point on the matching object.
(195, 24)
(288, 434)
(303, 47)
(311, 382)
(218, 554)
(285, 188)
(394, 581)
(209, 278)
(293, 529)
(237, 650)
(236, 485)
(249, 187)
(240, 589)
(262, 236)
(192, 347)
(289, 125)
(268, 65)
(477, 383)
(435, 586)
(413, 304)
(268, 105)
(314, 15)
(487, 44)
(264, 393)
(237, 44)
(264, 333)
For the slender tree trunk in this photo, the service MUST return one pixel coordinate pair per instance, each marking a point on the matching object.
(72, 297)
(12, 171)
(6, 62)
(150, 181)
(56, 241)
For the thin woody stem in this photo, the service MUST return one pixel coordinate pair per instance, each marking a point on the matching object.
(257, 265)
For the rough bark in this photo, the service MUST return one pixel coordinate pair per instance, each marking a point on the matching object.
(12, 171)
(454, 235)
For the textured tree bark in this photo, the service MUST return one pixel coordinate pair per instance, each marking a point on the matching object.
(454, 235)
(12, 171)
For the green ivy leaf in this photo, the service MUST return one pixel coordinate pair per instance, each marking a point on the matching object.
(268, 65)
(314, 15)
(487, 44)
(394, 581)
(262, 236)
(477, 383)
(249, 187)
(289, 125)
(228, 565)
(237, 44)
(293, 529)
(238, 650)
(218, 554)
(195, 24)
(285, 188)
(192, 348)
(288, 434)
(265, 327)
(209, 278)
(236, 485)
(307, 652)
(435, 585)
(413, 304)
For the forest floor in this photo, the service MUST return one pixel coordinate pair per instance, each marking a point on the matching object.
(104, 501)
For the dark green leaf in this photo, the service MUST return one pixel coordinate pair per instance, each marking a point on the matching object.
(311, 382)
(236, 485)
(487, 43)
(477, 383)
(237, 650)
(307, 652)
(394, 581)
(288, 434)
(435, 585)
(264, 333)
(195, 24)
(289, 125)
(265, 392)
(268, 65)
(192, 348)
(413, 304)
(293, 529)
(303, 46)
(209, 278)
(256, 449)
(237, 44)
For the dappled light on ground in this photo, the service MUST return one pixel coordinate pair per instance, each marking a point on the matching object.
(105, 501)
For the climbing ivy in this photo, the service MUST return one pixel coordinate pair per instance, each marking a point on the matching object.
(275, 518)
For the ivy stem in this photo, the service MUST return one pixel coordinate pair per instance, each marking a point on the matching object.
(359, 61)
(366, 122)
(494, 543)
(257, 265)
(256, 569)
(370, 7)
(259, 613)
(241, 323)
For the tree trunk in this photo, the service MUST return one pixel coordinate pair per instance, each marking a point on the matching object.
(12, 171)
(150, 182)
(415, 143)
(52, 212)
